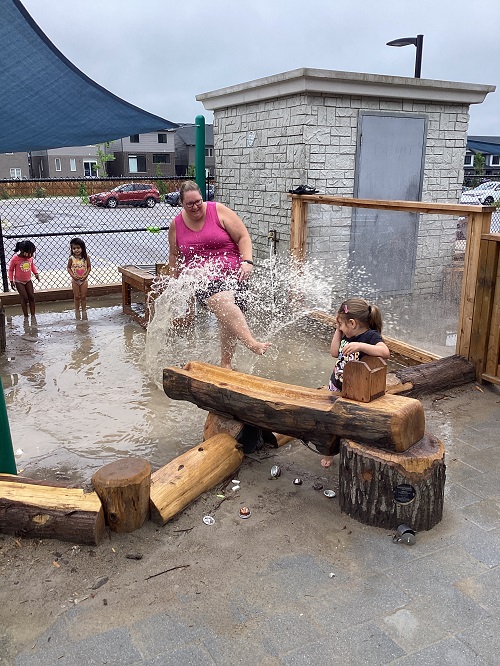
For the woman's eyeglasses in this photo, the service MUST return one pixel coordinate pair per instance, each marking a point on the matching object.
(193, 204)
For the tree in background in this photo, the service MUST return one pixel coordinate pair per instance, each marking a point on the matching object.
(160, 183)
(103, 157)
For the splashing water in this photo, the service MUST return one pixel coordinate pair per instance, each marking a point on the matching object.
(282, 291)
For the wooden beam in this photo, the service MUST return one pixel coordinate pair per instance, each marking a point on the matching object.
(382, 204)
(298, 229)
(391, 422)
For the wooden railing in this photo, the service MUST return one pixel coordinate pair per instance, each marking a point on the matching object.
(478, 335)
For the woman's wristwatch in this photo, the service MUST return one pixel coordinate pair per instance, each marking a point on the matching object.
(247, 261)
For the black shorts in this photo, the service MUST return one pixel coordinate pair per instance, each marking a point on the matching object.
(229, 284)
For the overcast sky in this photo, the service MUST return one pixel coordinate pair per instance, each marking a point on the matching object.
(159, 55)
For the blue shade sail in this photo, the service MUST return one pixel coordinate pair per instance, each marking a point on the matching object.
(46, 102)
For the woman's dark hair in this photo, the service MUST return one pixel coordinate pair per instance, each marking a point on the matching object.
(188, 186)
(362, 311)
(25, 246)
(80, 243)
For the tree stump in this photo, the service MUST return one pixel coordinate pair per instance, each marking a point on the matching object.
(123, 487)
(384, 489)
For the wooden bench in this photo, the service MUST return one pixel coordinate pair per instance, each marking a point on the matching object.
(141, 280)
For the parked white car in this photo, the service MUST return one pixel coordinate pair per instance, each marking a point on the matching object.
(485, 194)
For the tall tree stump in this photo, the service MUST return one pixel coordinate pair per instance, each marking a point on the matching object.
(384, 489)
(123, 487)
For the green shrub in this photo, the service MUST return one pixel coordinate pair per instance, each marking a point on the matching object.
(83, 194)
(3, 193)
(40, 192)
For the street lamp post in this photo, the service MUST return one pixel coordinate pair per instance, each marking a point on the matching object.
(418, 42)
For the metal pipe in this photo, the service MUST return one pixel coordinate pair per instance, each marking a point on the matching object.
(418, 56)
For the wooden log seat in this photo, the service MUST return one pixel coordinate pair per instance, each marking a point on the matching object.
(385, 489)
(35, 510)
(185, 478)
(141, 280)
(438, 375)
(123, 487)
(390, 422)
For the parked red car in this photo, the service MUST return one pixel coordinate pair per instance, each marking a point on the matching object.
(131, 194)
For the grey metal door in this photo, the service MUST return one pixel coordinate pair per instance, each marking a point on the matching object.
(389, 165)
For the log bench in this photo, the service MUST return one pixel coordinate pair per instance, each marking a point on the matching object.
(390, 422)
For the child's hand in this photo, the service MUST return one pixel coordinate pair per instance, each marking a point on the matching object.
(13, 286)
(351, 348)
(37, 277)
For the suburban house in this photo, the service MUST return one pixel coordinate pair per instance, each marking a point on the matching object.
(185, 143)
(166, 153)
(489, 146)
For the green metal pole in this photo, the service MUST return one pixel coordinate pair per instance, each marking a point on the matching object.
(199, 155)
(7, 460)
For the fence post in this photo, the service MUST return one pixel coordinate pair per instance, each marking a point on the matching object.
(7, 460)
(3, 262)
(199, 159)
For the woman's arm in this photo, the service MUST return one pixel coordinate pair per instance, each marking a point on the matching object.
(239, 234)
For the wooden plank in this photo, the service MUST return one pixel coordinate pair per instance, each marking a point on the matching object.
(479, 223)
(391, 422)
(382, 204)
(298, 229)
(493, 350)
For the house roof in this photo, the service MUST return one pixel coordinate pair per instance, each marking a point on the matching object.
(188, 134)
(47, 102)
(490, 145)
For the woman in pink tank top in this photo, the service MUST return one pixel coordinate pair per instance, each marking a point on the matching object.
(212, 235)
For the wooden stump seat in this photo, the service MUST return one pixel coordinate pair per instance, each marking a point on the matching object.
(386, 489)
(123, 487)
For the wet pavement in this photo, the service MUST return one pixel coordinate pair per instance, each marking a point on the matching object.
(297, 583)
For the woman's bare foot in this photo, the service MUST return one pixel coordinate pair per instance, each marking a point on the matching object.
(327, 461)
(259, 348)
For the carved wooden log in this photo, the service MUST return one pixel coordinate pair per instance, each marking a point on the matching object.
(177, 484)
(123, 487)
(41, 511)
(390, 422)
(386, 489)
(438, 375)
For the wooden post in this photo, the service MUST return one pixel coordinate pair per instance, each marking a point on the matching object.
(364, 380)
(386, 489)
(298, 228)
(123, 487)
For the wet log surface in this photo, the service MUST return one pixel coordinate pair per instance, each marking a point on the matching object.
(384, 489)
(185, 478)
(437, 375)
(42, 511)
(390, 422)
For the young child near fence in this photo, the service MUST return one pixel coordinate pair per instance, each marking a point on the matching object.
(79, 268)
(21, 268)
(357, 334)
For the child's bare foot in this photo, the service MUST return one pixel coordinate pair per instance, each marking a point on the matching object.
(327, 461)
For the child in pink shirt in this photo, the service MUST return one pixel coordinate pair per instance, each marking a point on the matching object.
(21, 268)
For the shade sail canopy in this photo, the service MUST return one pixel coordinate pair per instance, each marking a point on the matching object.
(46, 102)
(483, 147)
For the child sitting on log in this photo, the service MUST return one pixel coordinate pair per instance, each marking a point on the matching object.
(357, 334)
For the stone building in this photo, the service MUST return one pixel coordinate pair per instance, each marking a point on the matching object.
(347, 134)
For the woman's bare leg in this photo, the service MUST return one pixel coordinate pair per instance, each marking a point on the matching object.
(233, 326)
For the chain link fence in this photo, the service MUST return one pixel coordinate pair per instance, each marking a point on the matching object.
(51, 212)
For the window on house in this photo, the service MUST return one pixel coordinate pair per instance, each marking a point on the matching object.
(209, 152)
(162, 138)
(134, 138)
(72, 164)
(15, 174)
(161, 158)
(58, 163)
(469, 159)
(137, 164)
(495, 160)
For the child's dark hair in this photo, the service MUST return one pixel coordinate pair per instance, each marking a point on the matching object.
(25, 246)
(80, 243)
(362, 311)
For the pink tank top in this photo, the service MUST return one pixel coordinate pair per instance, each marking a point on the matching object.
(211, 244)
